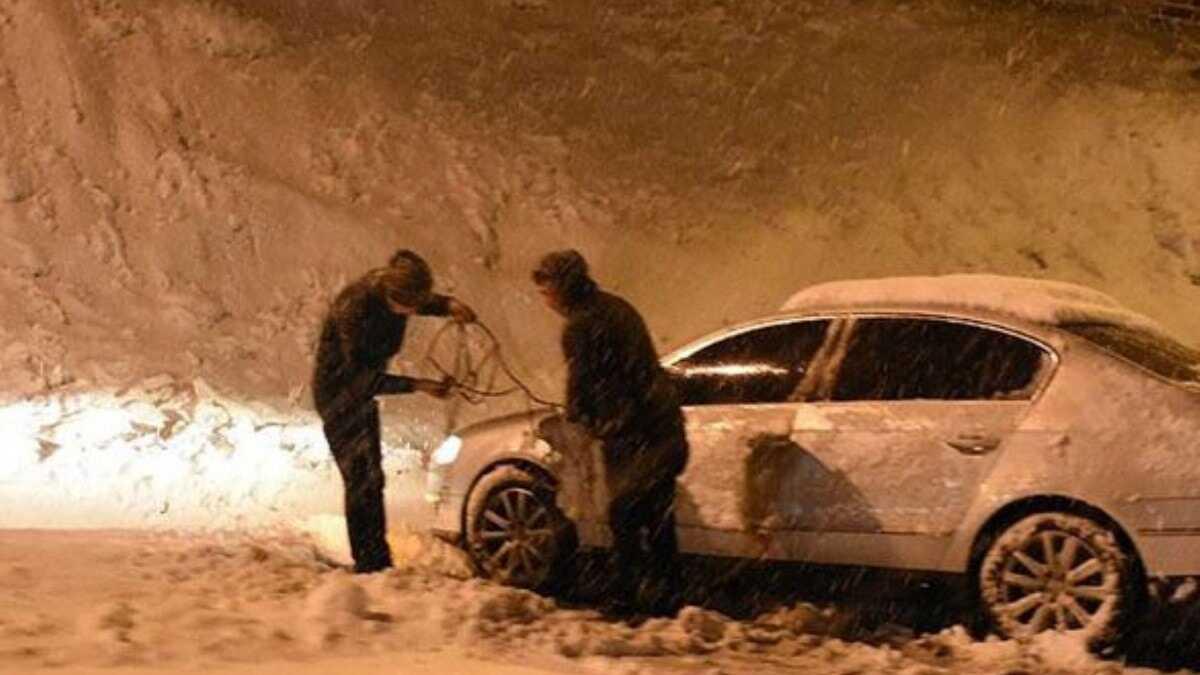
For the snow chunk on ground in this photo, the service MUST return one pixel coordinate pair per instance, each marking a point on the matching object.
(338, 597)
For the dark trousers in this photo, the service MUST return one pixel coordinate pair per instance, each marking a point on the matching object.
(353, 438)
(645, 546)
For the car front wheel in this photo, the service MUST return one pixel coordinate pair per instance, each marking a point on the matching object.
(1058, 571)
(515, 534)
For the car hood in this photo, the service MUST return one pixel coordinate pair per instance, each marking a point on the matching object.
(526, 418)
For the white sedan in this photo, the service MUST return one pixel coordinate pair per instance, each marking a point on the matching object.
(1036, 436)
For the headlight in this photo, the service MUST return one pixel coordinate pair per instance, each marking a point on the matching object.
(448, 451)
(546, 452)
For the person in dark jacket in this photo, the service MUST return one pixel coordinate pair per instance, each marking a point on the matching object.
(363, 330)
(618, 391)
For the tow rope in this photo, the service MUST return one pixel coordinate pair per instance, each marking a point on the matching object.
(473, 376)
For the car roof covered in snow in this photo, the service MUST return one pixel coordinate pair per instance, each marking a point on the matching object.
(1037, 301)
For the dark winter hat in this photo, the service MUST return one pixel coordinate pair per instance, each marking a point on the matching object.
(405, 256)
(406, 281)
(565, 272)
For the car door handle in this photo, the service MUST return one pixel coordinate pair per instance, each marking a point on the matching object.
(969, 444)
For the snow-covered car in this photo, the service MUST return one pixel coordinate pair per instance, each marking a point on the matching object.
(1036, 436)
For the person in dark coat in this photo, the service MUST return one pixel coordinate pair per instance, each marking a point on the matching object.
(363, 330)
(618, 391)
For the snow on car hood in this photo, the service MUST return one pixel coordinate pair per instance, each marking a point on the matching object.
(525, 417)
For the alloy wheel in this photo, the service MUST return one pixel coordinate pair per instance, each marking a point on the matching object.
(516, 537)
(1058, 571)
(1056, 581)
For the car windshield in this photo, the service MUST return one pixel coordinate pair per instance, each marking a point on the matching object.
(1159, 354)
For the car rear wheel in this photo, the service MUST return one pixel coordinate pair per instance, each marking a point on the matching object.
(1058, 571)
(516, 535)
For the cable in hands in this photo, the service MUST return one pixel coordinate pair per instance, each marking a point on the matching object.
(474, 380)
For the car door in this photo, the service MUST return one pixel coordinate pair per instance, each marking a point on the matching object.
(738, 392)
(910, 423)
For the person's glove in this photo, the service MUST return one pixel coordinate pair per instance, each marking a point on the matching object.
(549, 429)
(461, 313)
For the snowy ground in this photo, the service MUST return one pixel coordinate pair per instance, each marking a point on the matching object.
(129, 603)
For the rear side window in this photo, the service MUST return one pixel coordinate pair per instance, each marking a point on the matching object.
(763, 365)
(897, 359)
(1159, 355)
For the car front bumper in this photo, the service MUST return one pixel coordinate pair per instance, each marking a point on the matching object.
(447, 507)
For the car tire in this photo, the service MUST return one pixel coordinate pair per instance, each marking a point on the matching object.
(1058, 571)
(515, 533)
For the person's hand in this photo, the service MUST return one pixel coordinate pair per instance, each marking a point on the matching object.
(549, 428)
(460, 312)
(434, 388)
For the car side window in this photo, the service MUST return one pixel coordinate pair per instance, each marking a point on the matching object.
(763, 365)
(895, 359)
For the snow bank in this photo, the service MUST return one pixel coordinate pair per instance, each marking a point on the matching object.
(169, 453)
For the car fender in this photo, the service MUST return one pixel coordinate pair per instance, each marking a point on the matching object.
(481, 455)
(987, 506)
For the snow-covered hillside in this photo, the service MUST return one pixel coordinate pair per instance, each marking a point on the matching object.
(184, 183)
